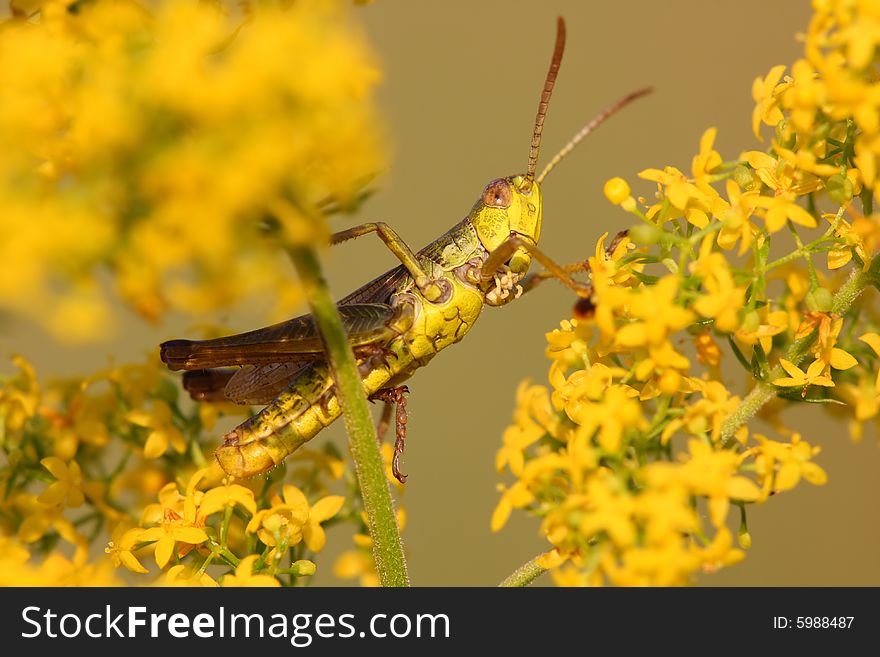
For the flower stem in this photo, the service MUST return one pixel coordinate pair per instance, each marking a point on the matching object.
(387, 547)
(525, 574)
(764, 391)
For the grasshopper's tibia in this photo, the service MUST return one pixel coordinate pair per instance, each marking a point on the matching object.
(394, 396)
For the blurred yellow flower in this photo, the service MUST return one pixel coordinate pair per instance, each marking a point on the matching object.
(244, 575)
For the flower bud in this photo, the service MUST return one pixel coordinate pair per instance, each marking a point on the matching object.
(617, 190)
(644, 234)
(819, 300)
(839, 188)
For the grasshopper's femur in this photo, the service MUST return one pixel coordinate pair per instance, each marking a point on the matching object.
(587, 129)
(545, 99)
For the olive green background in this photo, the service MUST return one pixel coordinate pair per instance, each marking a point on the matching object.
(461, 86)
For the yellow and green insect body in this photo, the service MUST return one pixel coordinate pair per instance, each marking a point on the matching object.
(309, 403)
(396, 323)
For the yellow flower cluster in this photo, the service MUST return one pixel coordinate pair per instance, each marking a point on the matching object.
(635, 455)
(145, 478)
(166, 144)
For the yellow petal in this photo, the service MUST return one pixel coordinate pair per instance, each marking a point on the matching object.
(741, 488)
(788, 476)
(192, 535)
(872, 340)
(56, 466)
(130, 561)
(151, 534)
(815, 369)
(54, 495)
(501, 514)
(718, 507)
(156, 445)
(326, 508)
(786, 382)
(793, 370)
(800, 216)
(814, 474)
(841, 360)
(163, 550)
(314, 536)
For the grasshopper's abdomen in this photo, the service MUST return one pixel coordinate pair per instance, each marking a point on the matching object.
(308, 405)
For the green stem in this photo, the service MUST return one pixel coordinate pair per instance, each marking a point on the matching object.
(525, 574)
(387, 547)
(764, 391)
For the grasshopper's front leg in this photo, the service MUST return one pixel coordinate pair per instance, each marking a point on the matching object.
(515, 242)
(534, 279)
(430, 289)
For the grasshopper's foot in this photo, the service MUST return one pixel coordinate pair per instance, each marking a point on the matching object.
(396, 396)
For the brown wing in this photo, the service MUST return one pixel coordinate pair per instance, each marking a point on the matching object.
(208, 385)
(249, 384)
(380, 289)
(365, 323)
(260, 384)
(271, 357)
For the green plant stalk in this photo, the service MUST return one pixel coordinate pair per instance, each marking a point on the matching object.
(764, 391)
(387, 547)
(525, 574)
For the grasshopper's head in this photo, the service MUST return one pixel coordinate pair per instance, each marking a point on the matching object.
(509, 205)
(512, 206)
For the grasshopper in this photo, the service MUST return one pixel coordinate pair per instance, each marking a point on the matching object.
(396, 323)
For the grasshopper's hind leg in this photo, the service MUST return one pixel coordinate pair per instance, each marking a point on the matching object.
(394, 397)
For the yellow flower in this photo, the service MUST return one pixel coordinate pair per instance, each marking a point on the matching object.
(765, 93)
(797, 378)
(707, 161)
(864, 398)
(174, 529)
(781, 208)
(825, 351)
(658, 315)
(180, 575)
(515, 497)
(735, 216)
(284, 521)
(79, 191)
(121, 545)
(706, 472)
(793, 461)
(762, 326)
(19, 398)
(244, 575)
(531, 400)
(357, 564)
(611, 415)
(720, 553)
(723, 298)
(707, 414)
(216, 499)
(160, 420)
(68, 490)
(708, 351)
(40, 518)
(691, 200)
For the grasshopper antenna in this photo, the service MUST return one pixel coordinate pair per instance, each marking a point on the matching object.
(605, 114)
(545, 101)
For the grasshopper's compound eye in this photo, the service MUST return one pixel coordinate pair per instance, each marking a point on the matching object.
(497, 194)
